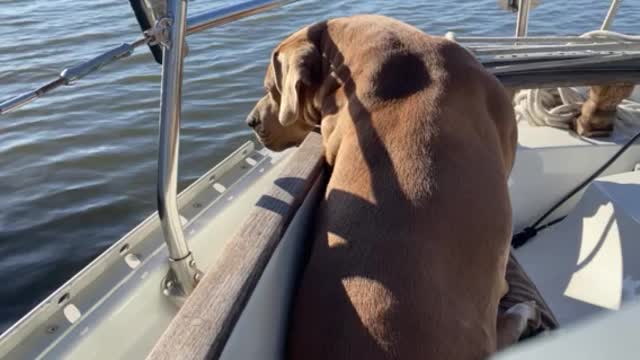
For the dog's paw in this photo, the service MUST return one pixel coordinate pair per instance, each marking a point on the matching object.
(528, 316)
(534, 321)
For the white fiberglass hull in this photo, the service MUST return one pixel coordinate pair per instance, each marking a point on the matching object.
(115, 308)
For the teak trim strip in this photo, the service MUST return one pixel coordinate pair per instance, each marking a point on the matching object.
(203, 325)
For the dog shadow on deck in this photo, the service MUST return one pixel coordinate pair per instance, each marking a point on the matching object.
(400, 76)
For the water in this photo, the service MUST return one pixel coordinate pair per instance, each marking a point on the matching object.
(77, 168)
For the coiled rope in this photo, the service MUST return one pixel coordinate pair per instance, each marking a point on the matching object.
(559, 107)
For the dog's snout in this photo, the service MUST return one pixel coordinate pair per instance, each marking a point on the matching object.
(252, 121)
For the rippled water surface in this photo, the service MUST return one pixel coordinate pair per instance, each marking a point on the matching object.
(77, 168)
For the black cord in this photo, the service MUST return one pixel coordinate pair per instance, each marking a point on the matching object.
(528, 232)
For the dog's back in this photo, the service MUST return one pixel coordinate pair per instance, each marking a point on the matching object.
(411, 240)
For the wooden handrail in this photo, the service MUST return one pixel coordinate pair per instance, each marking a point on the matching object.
(204, 323)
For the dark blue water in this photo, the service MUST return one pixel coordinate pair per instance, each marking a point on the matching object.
(77, 169)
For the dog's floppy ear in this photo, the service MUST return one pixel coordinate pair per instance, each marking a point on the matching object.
(293, 68)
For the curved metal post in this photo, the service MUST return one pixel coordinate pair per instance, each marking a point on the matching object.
(183, 274)
(522, 23)
(611, 14)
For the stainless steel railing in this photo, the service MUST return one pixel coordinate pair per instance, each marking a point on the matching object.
(183, 275)
(231, 13)
(69, 75)
(195, 24)
(611, 14)
(522, 23)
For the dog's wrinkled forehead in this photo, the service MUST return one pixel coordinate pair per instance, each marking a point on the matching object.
(271, 79)
(291, 77)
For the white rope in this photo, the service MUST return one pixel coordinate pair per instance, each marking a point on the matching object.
(559, 107)
(610, 35)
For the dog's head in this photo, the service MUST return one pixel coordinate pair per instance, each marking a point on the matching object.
(285, 115)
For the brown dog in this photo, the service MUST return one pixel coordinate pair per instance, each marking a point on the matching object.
(412, 237)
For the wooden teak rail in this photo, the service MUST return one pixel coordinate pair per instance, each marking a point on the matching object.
(203, 325)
